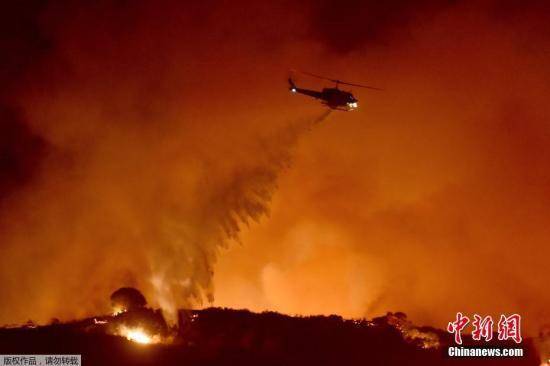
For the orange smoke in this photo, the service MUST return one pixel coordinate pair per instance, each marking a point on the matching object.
(169, 128)
(432, 199)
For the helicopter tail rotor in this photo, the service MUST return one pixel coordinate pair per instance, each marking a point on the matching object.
(292, 86)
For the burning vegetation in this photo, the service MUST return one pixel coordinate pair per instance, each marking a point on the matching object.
(214, 336)
(139, 141)
(133, 320)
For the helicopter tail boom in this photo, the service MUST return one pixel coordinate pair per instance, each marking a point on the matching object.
(312, 93)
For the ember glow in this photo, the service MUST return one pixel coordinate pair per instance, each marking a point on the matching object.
(117, 311)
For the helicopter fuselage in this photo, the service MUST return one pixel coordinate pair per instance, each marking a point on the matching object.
(332, 97)
(336, 98)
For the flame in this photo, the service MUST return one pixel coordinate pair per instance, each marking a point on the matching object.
(138, 335)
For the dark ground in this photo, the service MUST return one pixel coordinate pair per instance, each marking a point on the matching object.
(234, 337)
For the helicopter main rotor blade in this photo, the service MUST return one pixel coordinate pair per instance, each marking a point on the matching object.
(338, 81)
(359, 85)
(318, 76)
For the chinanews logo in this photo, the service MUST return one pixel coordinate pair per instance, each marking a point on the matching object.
(482, 329)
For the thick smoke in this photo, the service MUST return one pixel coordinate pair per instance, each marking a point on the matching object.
(145, 137)
(433, 198)
(146, 170)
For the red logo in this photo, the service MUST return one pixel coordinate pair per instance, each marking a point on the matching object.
(509, 327)
(457, 326)
(483, 328)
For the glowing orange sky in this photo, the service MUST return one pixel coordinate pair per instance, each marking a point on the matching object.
(166, 125)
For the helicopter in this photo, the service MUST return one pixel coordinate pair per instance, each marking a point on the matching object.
(333, 98)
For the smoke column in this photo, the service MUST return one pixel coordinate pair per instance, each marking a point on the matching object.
(144, 172)
(139, 139)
